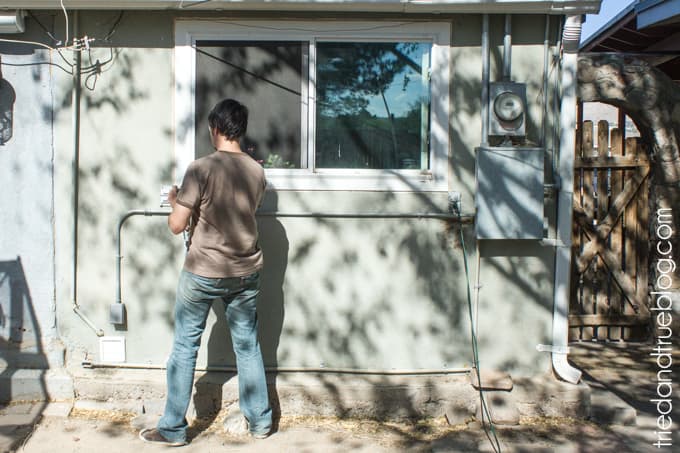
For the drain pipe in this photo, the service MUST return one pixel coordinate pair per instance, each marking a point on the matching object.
(559, 350)
(75, 104)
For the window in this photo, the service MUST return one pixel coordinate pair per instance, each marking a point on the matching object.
(333, 105)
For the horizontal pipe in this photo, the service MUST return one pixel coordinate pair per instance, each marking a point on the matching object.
(331, 215)
(338, 215)
(357, 215)
(396, 372)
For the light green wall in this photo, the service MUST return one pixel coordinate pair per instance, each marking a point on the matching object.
(336, 292)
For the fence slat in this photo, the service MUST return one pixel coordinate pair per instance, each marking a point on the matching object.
(588, 290)
(642, 243)
(576, 234)
(602, 206)
(587, 139)
(615, 297)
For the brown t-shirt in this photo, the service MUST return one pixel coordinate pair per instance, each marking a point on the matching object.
(223, 190)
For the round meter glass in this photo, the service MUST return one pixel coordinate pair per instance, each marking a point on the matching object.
(508, 106)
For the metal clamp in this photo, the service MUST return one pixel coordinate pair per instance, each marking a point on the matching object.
(552, 349)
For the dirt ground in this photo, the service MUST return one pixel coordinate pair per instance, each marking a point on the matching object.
(103, 431)
(626, 371)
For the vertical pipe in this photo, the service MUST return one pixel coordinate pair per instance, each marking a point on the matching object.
(557, 93)
(571, 37)
(546, 66)
(507, 49)
(75, 106)
(485, 80)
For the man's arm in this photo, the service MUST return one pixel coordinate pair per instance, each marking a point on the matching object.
(180, 215)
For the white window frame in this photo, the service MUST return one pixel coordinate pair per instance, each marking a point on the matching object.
(188, 32)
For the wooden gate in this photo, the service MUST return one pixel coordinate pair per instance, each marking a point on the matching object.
(610, 242)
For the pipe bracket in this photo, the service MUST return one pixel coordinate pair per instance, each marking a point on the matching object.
(552, 349)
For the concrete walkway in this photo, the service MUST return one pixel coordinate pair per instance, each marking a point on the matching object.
(622, 376)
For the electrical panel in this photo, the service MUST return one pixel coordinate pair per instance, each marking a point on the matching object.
(509, 198)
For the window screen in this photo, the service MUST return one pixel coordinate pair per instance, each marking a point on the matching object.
(268, 78)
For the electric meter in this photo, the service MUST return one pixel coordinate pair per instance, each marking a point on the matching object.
(508, 106)
(507, 109)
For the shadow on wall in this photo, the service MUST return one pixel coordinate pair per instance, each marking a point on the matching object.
(352, 331)
(20, 349)
(431, 256)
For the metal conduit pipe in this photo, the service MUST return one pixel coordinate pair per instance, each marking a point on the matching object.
(75, 101)
(357, 215)
(559, 348)
(546, 67)
(119, 256)
(424, 215)
(485, 81)
(507, 49)
(486, 62)
(332, 215)
(232, 369)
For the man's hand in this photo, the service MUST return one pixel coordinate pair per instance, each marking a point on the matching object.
(172, 196)
(178, 220)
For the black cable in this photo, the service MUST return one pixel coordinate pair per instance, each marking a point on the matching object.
(39, 63)
(113, 27)
(56, 41)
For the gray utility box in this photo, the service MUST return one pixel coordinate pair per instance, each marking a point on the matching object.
(509, 196)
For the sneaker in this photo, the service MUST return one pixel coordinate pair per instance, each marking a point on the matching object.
(236, 424)
(260, 435)
(153, 436)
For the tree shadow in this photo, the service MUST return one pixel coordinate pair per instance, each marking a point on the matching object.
(359, 321)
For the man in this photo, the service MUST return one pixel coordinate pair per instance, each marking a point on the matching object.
(218, 199)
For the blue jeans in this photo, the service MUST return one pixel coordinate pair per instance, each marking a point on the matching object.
(195, 295)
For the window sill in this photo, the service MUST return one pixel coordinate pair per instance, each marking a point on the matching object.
(357, 180)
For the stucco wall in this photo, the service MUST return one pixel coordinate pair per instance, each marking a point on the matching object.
(27, 300)
(336, 292)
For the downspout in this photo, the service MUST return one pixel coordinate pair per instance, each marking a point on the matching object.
(570, 42)
(75, 104)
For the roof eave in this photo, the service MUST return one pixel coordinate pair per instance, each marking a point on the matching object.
(651, 13)
(560, 7)
(610, 27)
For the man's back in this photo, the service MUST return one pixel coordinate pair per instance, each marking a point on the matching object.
(223, 190)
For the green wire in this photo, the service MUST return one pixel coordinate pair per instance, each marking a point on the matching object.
(495, 444)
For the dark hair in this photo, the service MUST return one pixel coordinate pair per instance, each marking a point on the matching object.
(230, 118)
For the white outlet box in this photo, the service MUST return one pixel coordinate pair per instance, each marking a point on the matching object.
(112, 349)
